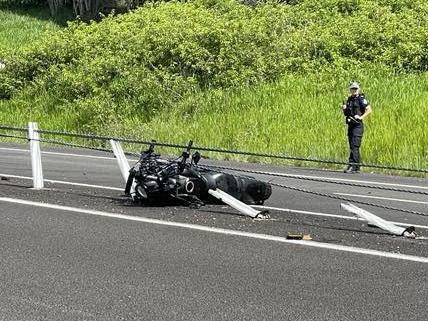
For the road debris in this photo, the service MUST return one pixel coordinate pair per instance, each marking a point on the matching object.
(379, 222)
(298, 236)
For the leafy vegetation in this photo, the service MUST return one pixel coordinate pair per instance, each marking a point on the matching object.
(264, 77)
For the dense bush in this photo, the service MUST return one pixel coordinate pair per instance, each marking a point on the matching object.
(148, 59)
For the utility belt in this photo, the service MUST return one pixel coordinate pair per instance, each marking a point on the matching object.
(350, 120)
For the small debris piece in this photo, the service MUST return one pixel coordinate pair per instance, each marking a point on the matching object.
(294, 236)
(421, 238)
(307, 237)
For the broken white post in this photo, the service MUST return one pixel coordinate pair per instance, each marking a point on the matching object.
(123, 163)
(377, 221)
(36, 160)
(121, 159)
(236, 204)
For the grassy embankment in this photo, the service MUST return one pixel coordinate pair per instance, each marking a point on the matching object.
(18, 28)
(302, 116)
(298, 115)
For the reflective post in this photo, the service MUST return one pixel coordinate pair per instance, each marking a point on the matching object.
(122, 162)
(36, 159)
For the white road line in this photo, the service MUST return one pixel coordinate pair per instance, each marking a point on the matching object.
(274, 173)
(382, 198)
(15, 149)
(222, 231)
(287, 210)
(67, 183)
(60, 154)
(256, 206)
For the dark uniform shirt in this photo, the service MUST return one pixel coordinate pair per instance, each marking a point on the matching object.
(355, 105)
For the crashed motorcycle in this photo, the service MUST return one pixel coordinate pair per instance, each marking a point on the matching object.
(156, 180)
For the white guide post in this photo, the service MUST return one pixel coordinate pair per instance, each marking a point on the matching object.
(236, 204)
(121, 159)
(36, 156)
(123, 163)
(376, 220)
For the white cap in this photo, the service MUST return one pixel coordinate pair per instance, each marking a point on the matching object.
(354, 85)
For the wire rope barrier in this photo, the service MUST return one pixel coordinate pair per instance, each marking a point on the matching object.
(218, 150)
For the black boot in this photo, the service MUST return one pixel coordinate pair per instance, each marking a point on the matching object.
(348, 169)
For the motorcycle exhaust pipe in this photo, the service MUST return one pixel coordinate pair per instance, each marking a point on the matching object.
(141, 192)
(189, 187)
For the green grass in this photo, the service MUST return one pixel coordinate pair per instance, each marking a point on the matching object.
(301, 116)
(298, 116)
(20, 27)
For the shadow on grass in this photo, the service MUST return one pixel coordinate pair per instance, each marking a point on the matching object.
(42, 13)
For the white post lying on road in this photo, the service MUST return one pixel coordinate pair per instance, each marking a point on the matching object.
(379, 222)
(121, 159)
(236, 204)
(36, 159)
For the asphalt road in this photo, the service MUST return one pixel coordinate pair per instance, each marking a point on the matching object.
(126, 262)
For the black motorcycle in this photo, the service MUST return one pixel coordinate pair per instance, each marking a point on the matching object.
(156, 180)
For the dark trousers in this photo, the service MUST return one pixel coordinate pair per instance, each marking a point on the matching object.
(355, 136)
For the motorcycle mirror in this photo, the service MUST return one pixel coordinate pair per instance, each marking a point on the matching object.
(196, 157)
(151, 148)
(152, 145)
(189, 145)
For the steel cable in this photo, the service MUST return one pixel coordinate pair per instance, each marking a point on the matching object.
(56, 142)
(228, 151)
(349, 200)
(14, 136)
(13, 128)
(318, 180)
(340, 197)
(218, 150)
(247, 171)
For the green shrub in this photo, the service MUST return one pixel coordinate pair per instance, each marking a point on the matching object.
(154, 55)
(221, 43)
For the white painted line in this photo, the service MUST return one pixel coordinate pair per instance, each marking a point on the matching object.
(60, 154)
(274, 173)
(68, 183)
(15, 149)
(287, 210)
(78, 155)
(382, 198)
(222, 231)
(256, 206)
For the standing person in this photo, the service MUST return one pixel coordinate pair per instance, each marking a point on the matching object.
(355, 110)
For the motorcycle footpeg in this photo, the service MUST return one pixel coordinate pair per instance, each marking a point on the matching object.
(263, 215)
